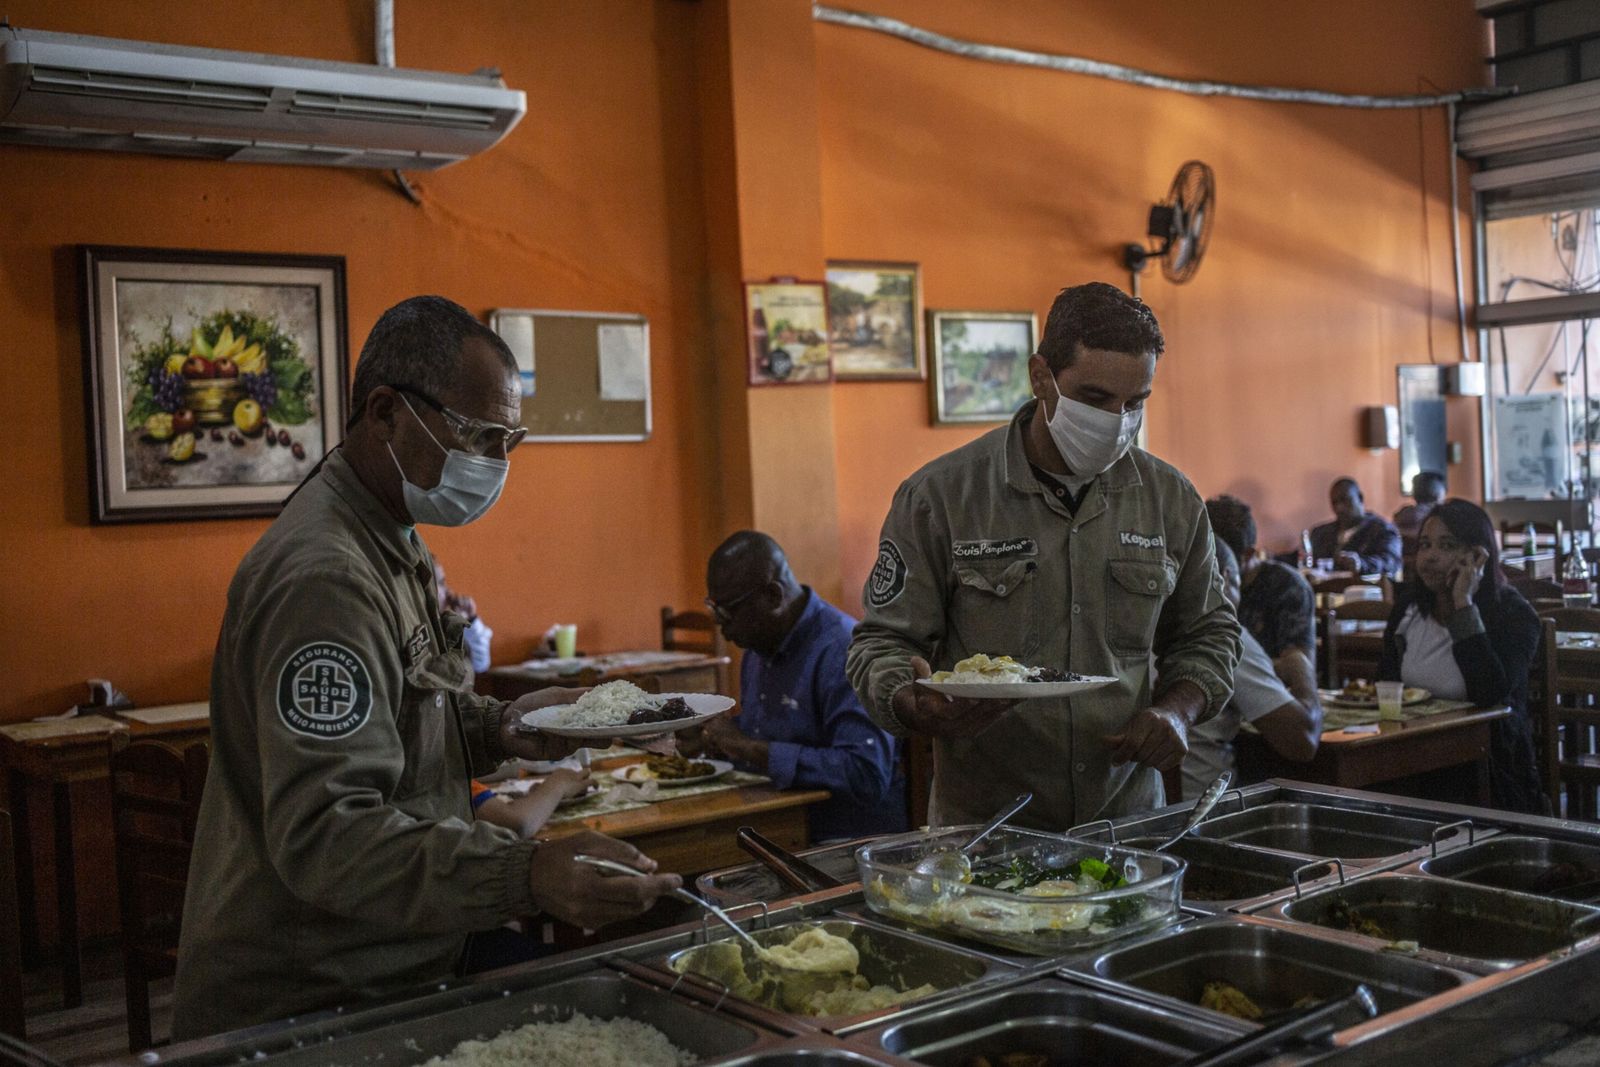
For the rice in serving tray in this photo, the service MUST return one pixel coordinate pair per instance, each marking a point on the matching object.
(580, 1041)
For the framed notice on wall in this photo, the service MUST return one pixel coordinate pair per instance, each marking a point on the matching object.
(585, 374)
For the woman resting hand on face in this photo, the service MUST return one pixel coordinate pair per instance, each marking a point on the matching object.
(1462, 633)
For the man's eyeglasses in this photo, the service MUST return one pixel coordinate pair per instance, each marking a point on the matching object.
(478, 436)
(724, 611)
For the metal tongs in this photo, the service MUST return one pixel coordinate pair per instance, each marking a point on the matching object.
(795, 872)
(1313, 1026)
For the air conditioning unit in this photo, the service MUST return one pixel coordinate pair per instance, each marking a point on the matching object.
(73, 91)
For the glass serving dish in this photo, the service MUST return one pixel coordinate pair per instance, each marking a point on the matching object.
(1048, 919)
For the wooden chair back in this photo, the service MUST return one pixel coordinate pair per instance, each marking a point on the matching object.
(1573, 714)
(1535, 591)
(12, 1016)
(696, 631)
(1349, 659)
(1547, 537)
(1544, 711)
(155, 803)
(1574, 620)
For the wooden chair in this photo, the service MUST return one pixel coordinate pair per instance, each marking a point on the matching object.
(1547, 537)
(155, 803)
(1540, 592)
(1356, 655)
(12, 1016)
(696, 631)
(1571, 716)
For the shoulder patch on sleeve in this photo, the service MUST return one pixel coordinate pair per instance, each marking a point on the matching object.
(324, 691)
(888, 578)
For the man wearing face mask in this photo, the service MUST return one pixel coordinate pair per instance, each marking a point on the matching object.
(336, 858)
(1055, 542)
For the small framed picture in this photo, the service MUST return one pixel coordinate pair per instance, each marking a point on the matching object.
(215, 380)
(875, 321)
(980, 364)
(787, 326)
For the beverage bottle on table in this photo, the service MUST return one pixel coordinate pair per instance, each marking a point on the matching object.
(1307, 559)
(1529, 537)
(1575, 589)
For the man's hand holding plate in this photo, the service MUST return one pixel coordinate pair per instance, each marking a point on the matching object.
(924, 711)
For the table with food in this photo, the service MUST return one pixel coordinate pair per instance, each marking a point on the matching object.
(1294, 924)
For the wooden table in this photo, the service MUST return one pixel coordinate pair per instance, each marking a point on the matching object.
(58, 762)
(696, 834)
(686, 672)
(1397, 750)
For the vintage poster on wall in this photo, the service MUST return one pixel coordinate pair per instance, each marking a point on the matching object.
(1530, 434)
(786, 323)
(216, 381)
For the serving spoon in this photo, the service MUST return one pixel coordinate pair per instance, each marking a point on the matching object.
(762, 952)
(1202, 808)
(955, 865)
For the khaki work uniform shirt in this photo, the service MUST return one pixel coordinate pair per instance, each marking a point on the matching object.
(977, 556)
(336, 857)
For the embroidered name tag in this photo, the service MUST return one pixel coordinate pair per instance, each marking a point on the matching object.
(1138, 540)
(1003, 549)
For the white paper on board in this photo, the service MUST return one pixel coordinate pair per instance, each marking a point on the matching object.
(517, 332)
(624, 363)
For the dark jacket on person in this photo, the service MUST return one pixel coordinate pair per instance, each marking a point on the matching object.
(1375, 541)
(1494, 642)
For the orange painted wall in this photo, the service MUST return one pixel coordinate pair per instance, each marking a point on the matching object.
(593, 202)
(1329, 264)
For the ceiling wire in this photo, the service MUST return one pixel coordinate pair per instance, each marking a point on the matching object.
(1132, 75)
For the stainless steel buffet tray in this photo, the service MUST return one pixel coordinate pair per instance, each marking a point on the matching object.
(1070, 1023)
(1440, 1007)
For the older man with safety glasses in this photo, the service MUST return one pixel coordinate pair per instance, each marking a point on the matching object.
(336, 857)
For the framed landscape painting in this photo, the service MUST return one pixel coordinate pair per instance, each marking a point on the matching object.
(980, 364)
(786, 325)
(215, 381)
(875, 320)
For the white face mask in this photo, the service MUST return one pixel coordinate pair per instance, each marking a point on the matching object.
(468, 485)
(1090, 439)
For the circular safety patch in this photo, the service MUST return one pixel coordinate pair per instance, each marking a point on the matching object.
(324, 691)
(888, 578)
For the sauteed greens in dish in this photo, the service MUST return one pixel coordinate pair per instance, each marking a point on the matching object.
(1026, 878)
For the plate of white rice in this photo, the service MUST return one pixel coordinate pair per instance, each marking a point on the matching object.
(604, 711)
(982, 677)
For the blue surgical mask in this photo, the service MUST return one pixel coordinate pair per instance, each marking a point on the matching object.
(468, 485)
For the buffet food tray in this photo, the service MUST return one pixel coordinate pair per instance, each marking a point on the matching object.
(1103, 998)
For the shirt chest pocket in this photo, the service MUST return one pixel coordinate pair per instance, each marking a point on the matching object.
(994, 611)
(1135, 592)
(426, 720)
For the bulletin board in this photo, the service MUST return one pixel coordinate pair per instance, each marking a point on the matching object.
(585, 374)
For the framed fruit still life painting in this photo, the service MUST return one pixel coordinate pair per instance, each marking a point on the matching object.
(215, 381)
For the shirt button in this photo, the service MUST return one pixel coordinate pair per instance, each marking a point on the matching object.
(1001, 589)
(438, 700)
(1151, 584)
(1061, 492)
(1076, 610)
(1080, 768)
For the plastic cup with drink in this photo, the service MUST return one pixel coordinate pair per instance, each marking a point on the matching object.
(566, 640)
(1391, 697)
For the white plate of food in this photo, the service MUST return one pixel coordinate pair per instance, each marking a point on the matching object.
(672, 771)
(622, 709)
(1365, 695)
(982, 677)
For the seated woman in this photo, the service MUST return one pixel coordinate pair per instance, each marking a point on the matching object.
(1462, 633)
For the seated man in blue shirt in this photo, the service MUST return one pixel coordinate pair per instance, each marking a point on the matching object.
(800, 721)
